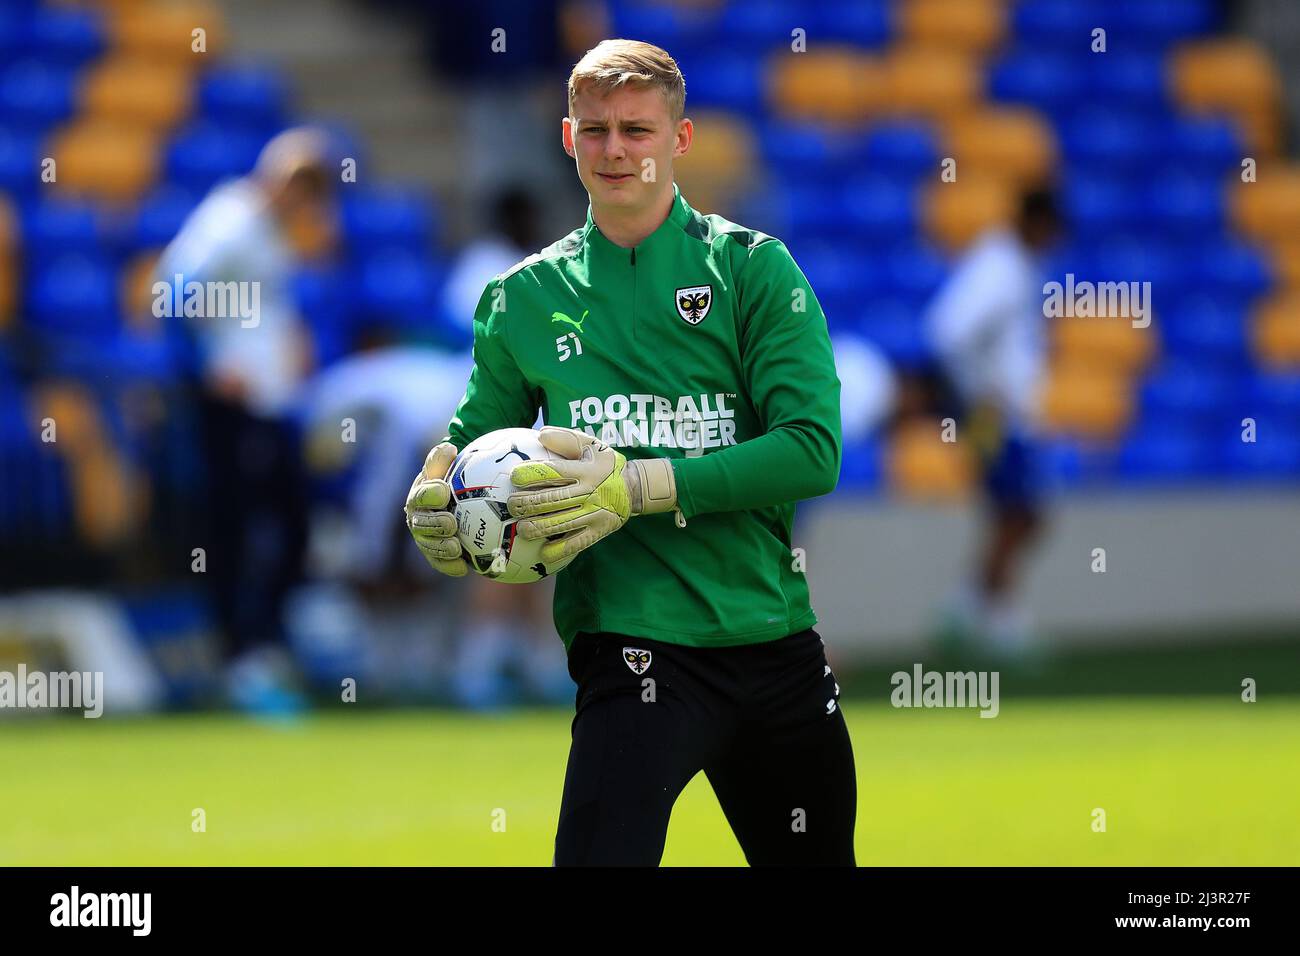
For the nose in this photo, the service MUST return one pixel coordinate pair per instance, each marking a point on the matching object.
(615, 148)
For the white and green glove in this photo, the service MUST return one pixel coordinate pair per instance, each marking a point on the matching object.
(429, 516)
(588, 495)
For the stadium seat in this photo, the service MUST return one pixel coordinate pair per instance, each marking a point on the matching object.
(919, 464)
(1013, 143)
(1040, 78)
(840, 85)
(55, 225)
(1268, 209)
(157, 218)
(1103, 345)
(388, 216)
(877, 207)
(201, 154)
(36, 95)
(1182, 203)
(930, 82)
(1285, 258)
(1276, 330)
(20, 161)
(1098, 204)
(1168, 451)
(957, 212)
(726, 81)
(901, 149)
(163, 32)
(396, 284)
(974, 26)
(720, 164)
(1233, 76)
(1088, 400)
(134, 92)
(1110, 138)
(105, 160)
(73, 294)
(1229, 265)
(1129, 78)
(1206, 328)
(246, 94)
(64, 35)
(1203, 144)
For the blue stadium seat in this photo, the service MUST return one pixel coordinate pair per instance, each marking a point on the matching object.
(1097, 203)
(1205, 328)
(861, 466)
(20, 158)
(1185, 204)
(159, 216)
(245, 94)
(51, 227)
(877, 207)
(1040, 78)
(37, 94)
(204, 153)
(1131, 79)
(398, 284)
(914, 270)
(326, 299)
(1274, 454)
(1275, 396)
(901, 149)
(61, 35)
(1112, 139)
(728, 81)
(1189, 393)
(1166, 450)
(388, 216)
(1164, 21)
(1210, 144)
(802, 150)
(1233, 267)
(73, 294)
(1063, 22)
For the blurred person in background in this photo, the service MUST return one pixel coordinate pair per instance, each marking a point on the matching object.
(401, 398)
(251, 371)
(986, 327)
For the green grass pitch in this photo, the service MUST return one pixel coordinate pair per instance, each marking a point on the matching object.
(1187, 780)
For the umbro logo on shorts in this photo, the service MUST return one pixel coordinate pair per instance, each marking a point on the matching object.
(636, 659)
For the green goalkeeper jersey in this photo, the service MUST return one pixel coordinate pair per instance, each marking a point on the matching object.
(703, 344)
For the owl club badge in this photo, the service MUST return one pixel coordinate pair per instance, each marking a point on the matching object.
(694, 302)
(636, 659)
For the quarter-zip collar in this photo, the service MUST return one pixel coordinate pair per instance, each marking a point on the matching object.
(667, 231)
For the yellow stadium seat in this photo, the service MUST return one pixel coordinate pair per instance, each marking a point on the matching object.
(1276, 330)
(105, 160)
(1286, 261)
(1269, 208)
(919, 464)
(1087, 401)
(1233, 76)
(933, 82)
(720, 163)
(168, 32)
(975, 26)
(1110, 344)
(156, 95)
(838, 84)
(1014, 143)
(957, 212)
(108, 497)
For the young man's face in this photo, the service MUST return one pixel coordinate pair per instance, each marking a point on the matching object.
(624, 144)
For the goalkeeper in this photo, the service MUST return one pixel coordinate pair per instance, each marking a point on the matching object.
(685, 374)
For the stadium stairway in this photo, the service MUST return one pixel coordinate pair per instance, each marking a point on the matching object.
(361, 69)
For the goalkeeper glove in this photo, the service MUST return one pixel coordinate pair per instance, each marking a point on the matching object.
(429, 516)
(588, 495)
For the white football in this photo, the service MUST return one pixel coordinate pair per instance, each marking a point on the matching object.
(480, 484)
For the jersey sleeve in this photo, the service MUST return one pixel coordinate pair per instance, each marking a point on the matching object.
(790, 379)
(498, 395)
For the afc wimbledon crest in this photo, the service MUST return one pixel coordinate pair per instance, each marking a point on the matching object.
(637, 659)
(693, 303)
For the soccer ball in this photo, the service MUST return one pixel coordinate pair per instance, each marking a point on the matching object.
(480, 484)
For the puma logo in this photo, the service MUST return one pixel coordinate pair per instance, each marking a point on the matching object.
(561, 317)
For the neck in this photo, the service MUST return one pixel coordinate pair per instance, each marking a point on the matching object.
(627, 228)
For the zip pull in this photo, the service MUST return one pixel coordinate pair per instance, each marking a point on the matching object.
(679, 517)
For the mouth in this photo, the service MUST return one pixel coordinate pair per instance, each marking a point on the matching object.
(615, 177)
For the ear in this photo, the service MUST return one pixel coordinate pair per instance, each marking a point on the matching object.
(685, 136)
(566, 135)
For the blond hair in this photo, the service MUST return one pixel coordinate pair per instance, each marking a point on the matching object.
(612, 64)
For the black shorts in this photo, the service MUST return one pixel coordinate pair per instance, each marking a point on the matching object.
(762, 721)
